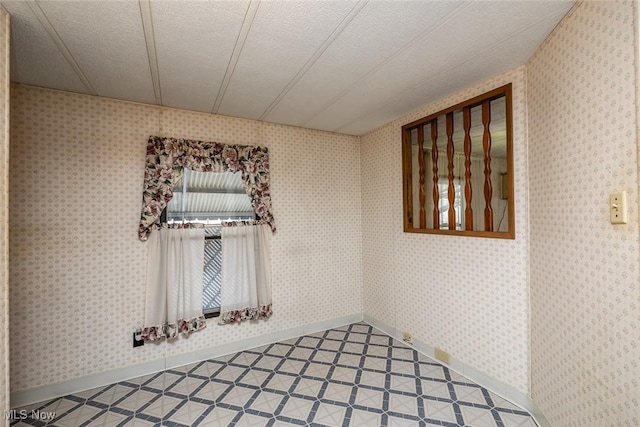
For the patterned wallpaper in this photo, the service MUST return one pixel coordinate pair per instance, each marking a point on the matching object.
(78, 268)
(584, 271)
(4, 219)
(468, 296)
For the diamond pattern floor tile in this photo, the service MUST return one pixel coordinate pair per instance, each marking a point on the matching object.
(301, 353)
(375, 363)
(308, 387)
(470, 394)
(431, 371)
(280, 423)
(317, 370)
(281, 382)
(162, 406)
(231, 373)
(60, 406)
(267, 402)
(373, 379)
(107, 419)
(137, 400)
(78, 416)
(477, 417)
(364, 419)
(403, 405)
(163, 381)
(348, 376)
(329, 415)
(298, 409)
(344, 374)
(238, 396)
(440, 411)
(403, 384)
(292, 366)
(187, 385)
(207, 369)
(113, 394)
(219, 417)
(515, 420)
(255, 378)
(324, 356)
(369, 398)
(249, 420)
(435, 389)
(188, 413)
(137, 422)
(338, 392)
(213, 391)
(401, 422)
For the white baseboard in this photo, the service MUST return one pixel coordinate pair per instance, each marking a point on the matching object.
(500, 388)
(52, 391)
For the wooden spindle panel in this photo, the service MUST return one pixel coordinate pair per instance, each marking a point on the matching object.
(434, 160)
(486, 146)
(422, 196)
(452, 188)
(454, 126)
(468, 192)
(408, 185)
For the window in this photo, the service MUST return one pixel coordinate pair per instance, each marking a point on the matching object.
(458, 169)
(209, 198)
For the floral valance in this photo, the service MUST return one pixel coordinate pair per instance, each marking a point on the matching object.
(167, 158)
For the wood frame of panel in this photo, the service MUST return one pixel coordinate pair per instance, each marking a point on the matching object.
(407, 175)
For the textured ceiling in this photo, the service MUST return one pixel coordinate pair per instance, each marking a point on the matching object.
(343, 66)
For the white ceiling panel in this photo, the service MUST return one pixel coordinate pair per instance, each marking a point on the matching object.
(344, 65)
(283, 38)
(187, 80)
(351, 56)
(107, 41)
(479, 29)
(459, 78)
(35, 59)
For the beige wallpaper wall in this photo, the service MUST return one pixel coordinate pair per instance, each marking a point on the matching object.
(466, 295)
(585, 275)
(4, 218)
(78, 269)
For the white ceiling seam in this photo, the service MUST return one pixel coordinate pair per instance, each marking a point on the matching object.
(62, 47)
(250, 15)
(482, 24)
(391, 58)
(455, 79)
(479, 35)
(312, 60)
(191, 81)
(150, 42)
(447, 71)
(309, 63)
(284, 35)
(388, 27)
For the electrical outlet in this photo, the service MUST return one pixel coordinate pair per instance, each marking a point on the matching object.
(137, 338)
(406, 337)
(443, 356)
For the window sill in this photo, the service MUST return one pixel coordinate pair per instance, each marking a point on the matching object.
(211, 314)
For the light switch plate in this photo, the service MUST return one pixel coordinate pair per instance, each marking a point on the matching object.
(618, 207)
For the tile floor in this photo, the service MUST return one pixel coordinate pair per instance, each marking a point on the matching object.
(349, 376)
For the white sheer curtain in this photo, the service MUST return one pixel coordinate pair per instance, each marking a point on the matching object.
(245, 291)
(174, 283)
